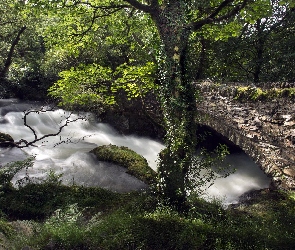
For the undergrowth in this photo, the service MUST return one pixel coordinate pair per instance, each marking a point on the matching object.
(49, 215)
(93, 218)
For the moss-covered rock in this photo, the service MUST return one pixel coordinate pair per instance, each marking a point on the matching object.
(5, 140)
(136, 164)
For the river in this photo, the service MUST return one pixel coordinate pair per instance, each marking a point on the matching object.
(73, 160)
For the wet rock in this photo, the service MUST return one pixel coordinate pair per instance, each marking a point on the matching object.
(136, 117)
(5, 140)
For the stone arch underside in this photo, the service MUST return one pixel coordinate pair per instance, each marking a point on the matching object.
(272, 159)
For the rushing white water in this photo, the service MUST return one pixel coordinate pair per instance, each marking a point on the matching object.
(78, 166)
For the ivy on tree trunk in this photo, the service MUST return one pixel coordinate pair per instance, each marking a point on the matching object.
(177, 96)
(177, 102)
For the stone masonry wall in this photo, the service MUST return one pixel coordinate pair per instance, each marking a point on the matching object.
(265, 130)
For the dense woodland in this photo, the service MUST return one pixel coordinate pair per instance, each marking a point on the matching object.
(87, 54)
(44, 44)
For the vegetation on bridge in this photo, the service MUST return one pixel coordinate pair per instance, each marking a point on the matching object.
(258, 94)
(244, 92)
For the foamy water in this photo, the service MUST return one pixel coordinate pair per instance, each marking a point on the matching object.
(78, 166)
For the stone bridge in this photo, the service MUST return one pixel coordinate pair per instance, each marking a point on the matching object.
(264, 128)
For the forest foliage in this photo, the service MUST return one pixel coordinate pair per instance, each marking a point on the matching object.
(85, 52)
(58, 42)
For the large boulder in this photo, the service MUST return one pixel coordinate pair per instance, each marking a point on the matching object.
(135, 164)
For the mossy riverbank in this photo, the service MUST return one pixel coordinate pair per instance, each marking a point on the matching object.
(49, 215)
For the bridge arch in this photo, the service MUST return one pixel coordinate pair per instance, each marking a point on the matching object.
(264, 128)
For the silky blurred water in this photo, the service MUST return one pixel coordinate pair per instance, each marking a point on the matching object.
(78, 166)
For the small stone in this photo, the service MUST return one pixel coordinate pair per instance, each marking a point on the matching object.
(289, 123)
(257, 122)
(287, 117)
(254, 137)
(253, 128)
(263, 118)
(289, 172)
(277, 120)
(26, 248)
(238, 120)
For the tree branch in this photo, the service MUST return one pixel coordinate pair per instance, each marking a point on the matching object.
(213, 17)
(105, 10)
(8, 61)
(143, 7)
(287, 15)
(102, 7)
(23, 143)
(95, 16)
(220, 8)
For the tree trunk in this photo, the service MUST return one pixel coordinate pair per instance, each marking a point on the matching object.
(177, 94)
(178, 104)
(8, 61)
(259, 47)
(202, 59)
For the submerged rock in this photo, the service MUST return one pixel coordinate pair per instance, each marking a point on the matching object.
(6, 140)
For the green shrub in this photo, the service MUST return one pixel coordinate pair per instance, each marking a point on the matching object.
(162, 228)
(250, 93)
(6, 232)
(75, 217)
(265, 222)
(172, 230)
(136, 164)
(9, 170)
(5, 227)
(38, 201)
